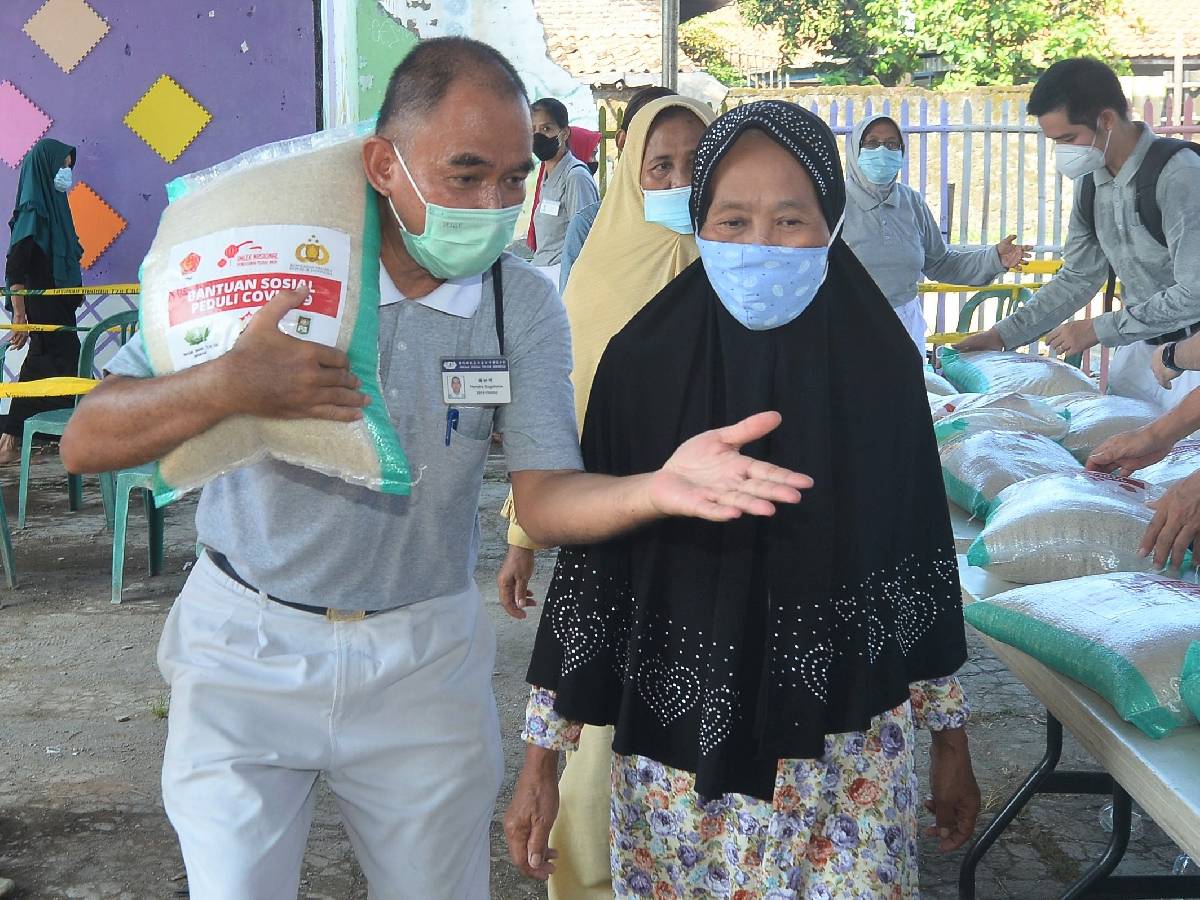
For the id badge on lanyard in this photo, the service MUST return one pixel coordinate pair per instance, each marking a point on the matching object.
(480, 381)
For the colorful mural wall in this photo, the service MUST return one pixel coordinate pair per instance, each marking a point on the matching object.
(148, 91)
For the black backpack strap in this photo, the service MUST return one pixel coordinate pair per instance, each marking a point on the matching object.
(1087, 201)
(1146, 183)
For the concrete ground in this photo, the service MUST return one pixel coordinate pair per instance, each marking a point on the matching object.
(81, 730)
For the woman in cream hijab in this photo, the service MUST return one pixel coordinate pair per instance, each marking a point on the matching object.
(641, 240)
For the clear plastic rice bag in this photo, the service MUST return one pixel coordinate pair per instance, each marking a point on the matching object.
(936, 384)
(1055, 527)
(1001, 412)
(1001, 370)
(1182, 461)
(1126, 636)
(978, 465)
(941, 405)
(296, 213)
(1094, 418)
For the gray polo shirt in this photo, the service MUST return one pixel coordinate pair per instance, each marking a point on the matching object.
(897, 240)
(1161, 284)
(568, 189)
(308, 538)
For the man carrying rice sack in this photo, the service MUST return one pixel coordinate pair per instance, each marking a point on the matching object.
(1136, 206)
(329, 628)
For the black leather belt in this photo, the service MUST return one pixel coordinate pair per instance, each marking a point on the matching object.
(1179, 335)
(221, 561)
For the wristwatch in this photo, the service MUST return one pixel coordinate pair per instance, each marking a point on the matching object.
(1168, 358)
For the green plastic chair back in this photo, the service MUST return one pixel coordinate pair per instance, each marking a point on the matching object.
(1005, 306)
(55, 421)
(126, 322)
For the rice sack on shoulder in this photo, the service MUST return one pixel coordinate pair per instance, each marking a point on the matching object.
(277, 218)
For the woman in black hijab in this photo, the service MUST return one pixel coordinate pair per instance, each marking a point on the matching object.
(763, 675)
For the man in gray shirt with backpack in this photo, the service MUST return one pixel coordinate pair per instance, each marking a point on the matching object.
(1135, 216)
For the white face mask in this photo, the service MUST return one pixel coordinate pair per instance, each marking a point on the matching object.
(63, 180)
(1074, 161)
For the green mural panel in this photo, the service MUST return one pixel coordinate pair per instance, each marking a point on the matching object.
(382, 43)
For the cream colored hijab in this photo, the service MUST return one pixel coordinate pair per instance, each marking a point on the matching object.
(626, 260)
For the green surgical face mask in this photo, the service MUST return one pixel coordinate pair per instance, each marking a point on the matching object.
(456, 243)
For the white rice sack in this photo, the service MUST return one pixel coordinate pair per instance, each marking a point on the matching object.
(936, 384)
(991, 370)
(1094, 418)
(1065, 526)
(1125, 636)
(978, 465)
(941, 405)
(300, 212)
(1181, 462)
(1002, 412)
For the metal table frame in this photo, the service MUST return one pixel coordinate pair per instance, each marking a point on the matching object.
(1098, 880)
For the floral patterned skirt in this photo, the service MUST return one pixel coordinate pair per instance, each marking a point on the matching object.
(842, 827)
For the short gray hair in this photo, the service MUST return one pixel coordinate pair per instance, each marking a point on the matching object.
(422, 80)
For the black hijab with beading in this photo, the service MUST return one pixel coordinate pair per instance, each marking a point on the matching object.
(722, 648)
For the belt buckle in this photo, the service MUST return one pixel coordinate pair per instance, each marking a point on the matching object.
(345, 615)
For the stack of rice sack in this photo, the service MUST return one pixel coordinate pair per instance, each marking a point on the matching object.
(1013, 446)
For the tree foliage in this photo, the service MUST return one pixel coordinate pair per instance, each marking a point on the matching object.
(706, 48)
(980, 41)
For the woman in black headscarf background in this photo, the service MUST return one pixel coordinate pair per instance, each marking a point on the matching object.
(764, 677)
(43, 253)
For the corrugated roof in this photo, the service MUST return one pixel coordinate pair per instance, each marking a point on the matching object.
(1155, 28)
(606, 43)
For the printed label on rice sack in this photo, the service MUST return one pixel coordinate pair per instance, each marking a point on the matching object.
(217, 283)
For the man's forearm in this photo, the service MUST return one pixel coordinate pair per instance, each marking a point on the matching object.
(131, 421)
(563, 508)
(1177, 424)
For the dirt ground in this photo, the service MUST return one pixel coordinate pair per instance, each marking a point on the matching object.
(81, 730)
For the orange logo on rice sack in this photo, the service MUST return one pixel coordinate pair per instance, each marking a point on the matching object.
(189, 263)
(314, 253)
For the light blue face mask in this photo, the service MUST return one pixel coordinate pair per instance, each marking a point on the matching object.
(669, 208)
(765, 287)
(880, 165)
(456, 243)
(63, 180)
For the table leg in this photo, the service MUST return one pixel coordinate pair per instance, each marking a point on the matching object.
(1043, 771)
(1107, 864)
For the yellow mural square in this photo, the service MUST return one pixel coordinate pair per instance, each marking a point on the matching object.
(167, 118)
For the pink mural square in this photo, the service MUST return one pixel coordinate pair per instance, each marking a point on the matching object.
(23, 122)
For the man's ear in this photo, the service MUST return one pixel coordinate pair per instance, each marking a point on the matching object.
(379, 162)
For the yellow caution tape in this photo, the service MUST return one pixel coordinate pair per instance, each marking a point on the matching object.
(48, 387)
(35, 326)
(95, 289)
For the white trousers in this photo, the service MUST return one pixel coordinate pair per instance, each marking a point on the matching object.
(396, 710)
(1130, 375)
(912, 317)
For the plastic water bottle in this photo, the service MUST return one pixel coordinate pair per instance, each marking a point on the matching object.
(1184, 865)
(1135, 821)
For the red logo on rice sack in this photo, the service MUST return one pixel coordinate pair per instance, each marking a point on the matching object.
(1129, 484)
(189, 264)
(248, 292)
